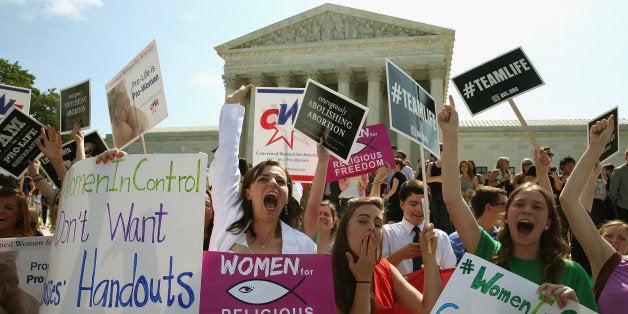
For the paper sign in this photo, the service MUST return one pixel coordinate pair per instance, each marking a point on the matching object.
(612, 146)
(497, 80)
(371, 151)
(94, 145)
(275, 136)
(412, 109)
(75, 105)
(19, 134)
(128, 236)
(28, 258)
(326, 113)
(267, 283)
(14, 96)
(136, 97)
(479, 286)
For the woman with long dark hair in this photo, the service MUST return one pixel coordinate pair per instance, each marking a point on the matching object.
(529, 243)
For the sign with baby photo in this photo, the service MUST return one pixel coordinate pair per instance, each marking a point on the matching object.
(136, 98)
(478, 286)
(23, 268)
(267, 283)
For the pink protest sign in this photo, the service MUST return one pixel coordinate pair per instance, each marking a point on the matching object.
(266, 283)
(371, 151)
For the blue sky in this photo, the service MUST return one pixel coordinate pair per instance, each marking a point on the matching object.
(578, 47)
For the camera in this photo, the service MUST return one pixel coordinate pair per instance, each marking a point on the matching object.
(552, 169)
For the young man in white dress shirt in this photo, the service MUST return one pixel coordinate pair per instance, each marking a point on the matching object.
(400, 240)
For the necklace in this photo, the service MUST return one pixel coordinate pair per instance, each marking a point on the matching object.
(262, 244)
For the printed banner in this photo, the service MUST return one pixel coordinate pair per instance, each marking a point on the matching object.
(267, 283)
(497, 80)
(27, 260)
(275, 136)
(128, 236)
(612, 146)
(14, 96)
(412, 109)
(479, 286)
(136, 98)
(326, 113)
(19, 134)
(371, 151)
(75, 105)
(94, 145)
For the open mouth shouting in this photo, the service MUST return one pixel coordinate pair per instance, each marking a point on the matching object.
(271, 199)
(525, 227)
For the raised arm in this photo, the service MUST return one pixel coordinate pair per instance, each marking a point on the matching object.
(542, 162)
(77, 135)
(40, 182)
(596, 248)
(587, 195)
(52, 148)
(459, 211)
(380, 175)
(405, 294)
(310, 217)
(226, 175)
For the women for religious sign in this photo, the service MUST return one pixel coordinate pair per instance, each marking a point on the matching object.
(129, 236)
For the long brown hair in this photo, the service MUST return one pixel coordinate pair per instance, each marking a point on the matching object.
(242, 224)
(22, 225)
(344, 281)
(552, 249)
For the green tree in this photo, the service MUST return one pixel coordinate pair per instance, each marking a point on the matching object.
(44, 105)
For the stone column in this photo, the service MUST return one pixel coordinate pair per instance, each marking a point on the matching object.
(313, 75)
(248, 129)
(374, 76)
(284, 78)
(344, 77)
(230, 82)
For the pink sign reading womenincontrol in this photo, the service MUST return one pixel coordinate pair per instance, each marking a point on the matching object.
(266, 283)
(371, 151)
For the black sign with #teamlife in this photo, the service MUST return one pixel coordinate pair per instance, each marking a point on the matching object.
(338, 119)
(613, 143)
(19, 134)
(497, 80)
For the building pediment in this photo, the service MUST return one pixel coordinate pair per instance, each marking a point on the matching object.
(329, 23)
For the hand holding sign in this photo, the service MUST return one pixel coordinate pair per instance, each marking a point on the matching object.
(601, 131)
(560, 293)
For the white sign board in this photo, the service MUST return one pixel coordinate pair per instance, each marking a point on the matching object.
(129, 236)
(479, 286)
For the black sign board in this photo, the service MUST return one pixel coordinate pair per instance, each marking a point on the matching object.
(497, 80)
(94, 145)
(338, 119)
(19, 134)
(75, 105)
(613, 143)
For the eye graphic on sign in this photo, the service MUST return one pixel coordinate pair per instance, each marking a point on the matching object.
(261, 291)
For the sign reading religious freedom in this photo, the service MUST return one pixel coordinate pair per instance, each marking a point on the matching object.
(128, 236)
(497, 80)
(19, 134)
(275, 136)
(136, 98)
(479, 286)
(267, 283)
(371, 151)
(612, 146)
(331, 115)
(14, 96)
(412, 109)
(94, 145)
(75, 105)
(28, 260)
